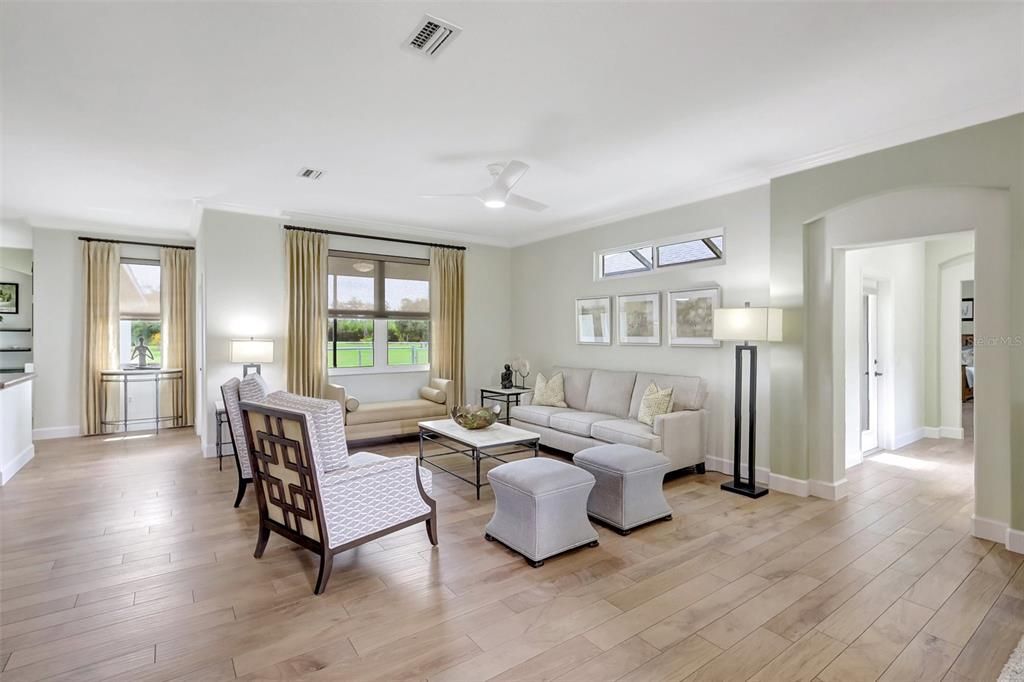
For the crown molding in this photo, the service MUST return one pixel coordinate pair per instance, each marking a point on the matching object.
(99, 229)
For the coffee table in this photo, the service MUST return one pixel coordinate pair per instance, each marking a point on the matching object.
(475, 444)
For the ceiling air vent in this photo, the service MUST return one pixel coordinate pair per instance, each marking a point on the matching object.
(310, 173)
(430, 36)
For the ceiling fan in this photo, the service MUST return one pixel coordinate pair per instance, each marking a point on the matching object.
(499, 193)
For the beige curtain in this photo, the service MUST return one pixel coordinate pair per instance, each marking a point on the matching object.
(306, 355)
(177, 330)
(446, 329)
(101, 277)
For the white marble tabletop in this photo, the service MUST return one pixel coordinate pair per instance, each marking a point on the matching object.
(493, 436)
(507, 391)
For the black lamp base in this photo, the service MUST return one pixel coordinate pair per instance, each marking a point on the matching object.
(744, 489)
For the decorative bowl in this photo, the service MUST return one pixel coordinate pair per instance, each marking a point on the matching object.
(475, 416)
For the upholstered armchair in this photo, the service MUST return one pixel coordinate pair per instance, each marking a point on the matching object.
(230, 394)
(312, 492)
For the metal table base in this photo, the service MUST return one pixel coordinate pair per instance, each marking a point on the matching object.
(475, 453)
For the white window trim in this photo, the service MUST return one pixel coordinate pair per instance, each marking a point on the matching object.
(380, 350)
(654, 244)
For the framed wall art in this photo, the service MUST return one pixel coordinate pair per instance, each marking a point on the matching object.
(690, 316)
(639, 319)
(8, 298)
(594, 321)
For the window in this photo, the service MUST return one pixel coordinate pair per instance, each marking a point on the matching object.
(640, 259)
(139, 310)
(379, 312)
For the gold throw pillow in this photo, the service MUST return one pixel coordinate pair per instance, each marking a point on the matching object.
(655, 401)
(549, 392)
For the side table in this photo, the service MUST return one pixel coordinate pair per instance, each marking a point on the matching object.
(509, 397)
(221, 416)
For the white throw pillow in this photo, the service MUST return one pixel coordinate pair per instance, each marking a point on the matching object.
(549, 392)
(655, 401)
(351, 404)
(434, 395)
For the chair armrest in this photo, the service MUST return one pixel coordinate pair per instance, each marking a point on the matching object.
(338, 393)
(683, 436)
(446, 386)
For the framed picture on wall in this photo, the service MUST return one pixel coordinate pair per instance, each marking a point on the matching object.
(691, 313)
(967, 310)
(8, 298)
(594, 321)
(639, 319)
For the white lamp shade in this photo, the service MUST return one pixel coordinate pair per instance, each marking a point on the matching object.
(252, 351)
(748, 324)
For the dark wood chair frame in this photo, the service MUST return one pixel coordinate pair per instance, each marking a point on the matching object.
(243, 482)
(268, 446)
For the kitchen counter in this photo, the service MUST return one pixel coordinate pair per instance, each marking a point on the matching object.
(16, 447)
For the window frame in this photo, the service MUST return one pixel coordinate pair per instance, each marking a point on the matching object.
(380, 316)
(121, 317)
(655, 244)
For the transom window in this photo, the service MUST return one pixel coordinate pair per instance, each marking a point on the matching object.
(378, 312)
(638, 259)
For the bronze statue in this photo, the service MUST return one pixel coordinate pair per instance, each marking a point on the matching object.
(506, 377)
(142, 352)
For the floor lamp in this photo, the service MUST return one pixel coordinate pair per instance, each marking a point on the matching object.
(745, 325)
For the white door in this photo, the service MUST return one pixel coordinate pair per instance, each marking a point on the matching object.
(870, 371)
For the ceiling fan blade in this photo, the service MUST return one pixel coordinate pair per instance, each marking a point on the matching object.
(522, 202)
(511, 174)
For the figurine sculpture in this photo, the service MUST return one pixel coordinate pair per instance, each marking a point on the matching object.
(142, 352)
(506, 377)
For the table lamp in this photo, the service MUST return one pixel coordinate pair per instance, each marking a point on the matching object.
(251, 353)
(746, 324)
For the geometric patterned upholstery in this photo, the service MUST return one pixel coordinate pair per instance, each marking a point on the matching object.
(327, 435)
(229, 391)
(253, 388)
(361, 500)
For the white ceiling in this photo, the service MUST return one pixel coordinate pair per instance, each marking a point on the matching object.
(125, 113)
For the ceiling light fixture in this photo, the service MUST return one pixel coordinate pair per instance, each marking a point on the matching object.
(494, 203)
(362, 266)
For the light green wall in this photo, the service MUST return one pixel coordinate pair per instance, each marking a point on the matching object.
(988, 155)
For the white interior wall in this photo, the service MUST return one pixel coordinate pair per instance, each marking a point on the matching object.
(245, 290)
(551, 274)
(899, 270)
(952, 274)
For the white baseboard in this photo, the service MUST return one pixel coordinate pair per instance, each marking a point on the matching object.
(56, 432)
(1015, 540)
(210, 451)
(790, 486)
(951, 432)
(989, 529)
(14, 466)
(905, 439)
(724, 466)
(827, 490)
(931, 432)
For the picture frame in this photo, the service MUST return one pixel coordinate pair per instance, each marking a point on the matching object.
(594, 321)
(639, 319)
(967, 310)
(690, 314)
(8, 298)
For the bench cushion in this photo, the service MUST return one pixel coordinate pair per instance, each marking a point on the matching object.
(393, 410)
(539, 476)
(627, 431)
(578, 423)
(619, 458)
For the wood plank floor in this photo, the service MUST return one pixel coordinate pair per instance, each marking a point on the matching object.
(123, 559)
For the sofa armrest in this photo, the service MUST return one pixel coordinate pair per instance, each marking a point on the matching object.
(446, 386)
(684, 437)
(337, 392)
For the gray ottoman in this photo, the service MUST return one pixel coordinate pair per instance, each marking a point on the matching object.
(540, 508)
(628, 490)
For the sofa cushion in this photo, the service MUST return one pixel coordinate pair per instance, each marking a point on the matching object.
(393, 410)
(688, 393)
(537, 414)
(610, 392)
(578, 423)
(656, 401)
(628, 432)
(550, 392)
(577, 383)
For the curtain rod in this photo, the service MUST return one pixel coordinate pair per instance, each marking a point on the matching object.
(124, 241)
(371, 236)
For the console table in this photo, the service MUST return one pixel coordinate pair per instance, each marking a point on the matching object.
(156, 378)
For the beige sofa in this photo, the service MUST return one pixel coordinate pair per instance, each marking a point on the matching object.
(392, 417)
(603, 407)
